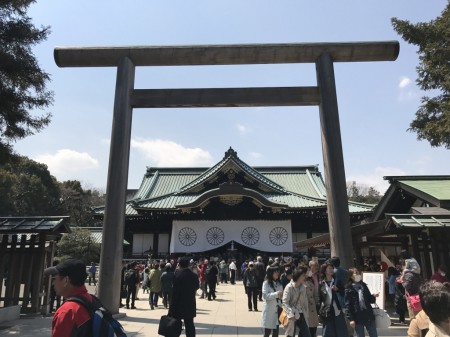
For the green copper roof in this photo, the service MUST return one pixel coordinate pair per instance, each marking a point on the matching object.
(97, 234)
(420, 220)
(300, 181)
(231, 162)
(291, 187)
(165, 181)
(12, 225)
(170, 202)
(439, 189)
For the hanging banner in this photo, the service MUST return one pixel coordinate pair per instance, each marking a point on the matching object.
(200, 236)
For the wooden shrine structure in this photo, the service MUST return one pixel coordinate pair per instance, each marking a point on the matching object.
(27, 247)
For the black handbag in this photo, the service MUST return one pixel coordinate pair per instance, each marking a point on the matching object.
(169, 326)
(326, 312)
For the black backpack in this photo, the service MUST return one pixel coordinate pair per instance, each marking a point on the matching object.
(131, 277)
(103, 323)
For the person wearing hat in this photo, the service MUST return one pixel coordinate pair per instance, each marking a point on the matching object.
(183, 304)
(71, 318)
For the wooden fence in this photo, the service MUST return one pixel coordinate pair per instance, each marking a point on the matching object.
(22, 263)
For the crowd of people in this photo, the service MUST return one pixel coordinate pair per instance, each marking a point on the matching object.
(306, 293)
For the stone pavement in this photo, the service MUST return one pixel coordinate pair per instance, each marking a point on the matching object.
(227, 316)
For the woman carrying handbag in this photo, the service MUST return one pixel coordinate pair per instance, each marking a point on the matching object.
(295, 304)
(272, 291)
(330, 311)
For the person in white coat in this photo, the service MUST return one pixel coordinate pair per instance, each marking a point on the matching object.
(295, 303)
(272, 291)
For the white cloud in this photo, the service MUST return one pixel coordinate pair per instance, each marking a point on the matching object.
(406, 93)
(255, 155)
(168, 153)
(67, 161)
(375, 178)
(243, 130)
(404, 82)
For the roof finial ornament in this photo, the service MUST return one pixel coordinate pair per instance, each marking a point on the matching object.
(230, 153)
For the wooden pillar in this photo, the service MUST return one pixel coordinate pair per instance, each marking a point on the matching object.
(28, 268)
(12, 267)
(38, 271)
(45, 308)
(445, 247)
(426, 272)
(405, 242)
(436, 249)
(114, 219)
(333, 160)
(17, 276)
(415, 246)
(4, 258)
(359, 260)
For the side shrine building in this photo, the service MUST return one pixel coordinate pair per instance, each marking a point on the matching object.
(229, 208)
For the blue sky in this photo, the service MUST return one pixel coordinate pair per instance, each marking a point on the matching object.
(376, 100)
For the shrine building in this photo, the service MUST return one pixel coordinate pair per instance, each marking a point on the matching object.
(229, 207)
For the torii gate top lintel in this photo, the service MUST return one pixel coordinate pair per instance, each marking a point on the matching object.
(184, 55)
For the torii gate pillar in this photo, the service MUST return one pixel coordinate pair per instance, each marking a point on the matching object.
(333, 162)
(116, 188)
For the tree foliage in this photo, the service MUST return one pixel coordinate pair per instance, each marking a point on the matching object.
(78, 202)
(78, 244)
(27, 188)
(362, 193)
(22, 81)
(432, 121)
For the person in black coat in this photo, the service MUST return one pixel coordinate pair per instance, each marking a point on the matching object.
(400, 301)
(250, 280)
(183, 305)
(358, 307)
(211, 277)
(330, 311)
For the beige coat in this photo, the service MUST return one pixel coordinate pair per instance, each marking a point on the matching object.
(435, 331)
(295, 300)
(419, 323)
(313, 300)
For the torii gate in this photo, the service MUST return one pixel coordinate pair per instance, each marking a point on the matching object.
(127, 98)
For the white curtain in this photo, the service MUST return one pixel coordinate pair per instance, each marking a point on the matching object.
(141, 243)
(200, 236)
(163, 243)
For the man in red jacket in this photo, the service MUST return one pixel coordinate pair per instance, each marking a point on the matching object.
(72, 318)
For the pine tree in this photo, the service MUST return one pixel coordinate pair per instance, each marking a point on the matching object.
(432, 120)
(22, 82)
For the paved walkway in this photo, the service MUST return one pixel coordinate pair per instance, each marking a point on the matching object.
(227, 316)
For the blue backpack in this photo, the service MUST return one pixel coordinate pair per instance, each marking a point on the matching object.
(103, 323)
